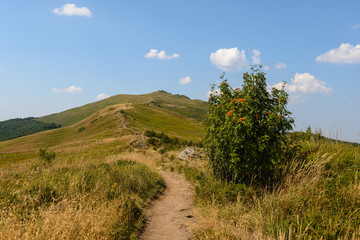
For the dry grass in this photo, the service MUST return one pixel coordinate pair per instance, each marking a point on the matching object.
(318, 199)
(65, 220)
(77, 199)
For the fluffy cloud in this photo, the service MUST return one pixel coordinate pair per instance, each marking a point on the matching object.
(185, 80)
(356, 26)
(280, 65)
(305, 83)
(101, 96)
(266, 68)
(346, 53)
(70, 9)
(71, 89)
(230, 59)
(215, 92)
(256, 58)
(154, 53)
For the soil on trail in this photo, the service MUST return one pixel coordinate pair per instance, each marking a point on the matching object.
(170, 215)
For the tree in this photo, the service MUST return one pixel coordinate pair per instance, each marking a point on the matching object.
(246, 129)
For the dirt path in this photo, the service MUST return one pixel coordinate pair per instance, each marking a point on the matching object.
(170, 214)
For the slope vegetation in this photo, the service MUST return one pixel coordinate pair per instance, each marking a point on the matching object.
(18, 127)
(115, 127)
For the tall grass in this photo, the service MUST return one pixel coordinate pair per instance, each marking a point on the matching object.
(76, 199)
(318, 198)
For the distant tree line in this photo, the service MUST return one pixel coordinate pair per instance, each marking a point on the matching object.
(19, 127)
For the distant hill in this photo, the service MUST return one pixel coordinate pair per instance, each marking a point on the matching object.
(177, 103)
(19, 127)
(115, 127)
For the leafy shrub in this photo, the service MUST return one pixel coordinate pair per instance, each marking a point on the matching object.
(246, 130)
(45, 156)
(81, 129)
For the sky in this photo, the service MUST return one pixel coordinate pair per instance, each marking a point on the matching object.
(56, 55)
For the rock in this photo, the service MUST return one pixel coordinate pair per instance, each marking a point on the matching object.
(188, 152)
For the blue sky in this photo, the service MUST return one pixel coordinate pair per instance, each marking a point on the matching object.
(55, 55)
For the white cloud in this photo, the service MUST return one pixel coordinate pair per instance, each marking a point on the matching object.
(346, 53)
(215, 92)
(70, 9)
(185, 80)
(356, 26)
(256, 58)
(280, 65)
(71, 89)
(154, 53)
(102, 96)
(230, 59)
(305, 83)
(266, 68)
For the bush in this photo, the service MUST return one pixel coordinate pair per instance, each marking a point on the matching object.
(162, 140)
(45, 156)
(81, 129)
(246, 130)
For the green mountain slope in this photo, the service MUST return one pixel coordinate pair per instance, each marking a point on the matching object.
(113, 128)
(18, 127)
(177, 103)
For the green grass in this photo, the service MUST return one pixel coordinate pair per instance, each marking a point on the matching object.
(144, 117)
(178, 103)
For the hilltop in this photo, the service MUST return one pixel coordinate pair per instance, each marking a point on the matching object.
(173, 102)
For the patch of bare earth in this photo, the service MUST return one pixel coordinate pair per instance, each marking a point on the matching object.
(170, 216)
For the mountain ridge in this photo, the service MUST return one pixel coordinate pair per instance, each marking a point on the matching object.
(182, 104)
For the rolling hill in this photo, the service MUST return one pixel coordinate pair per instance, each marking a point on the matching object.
(181, 104)
(115, 127)
(177, 103)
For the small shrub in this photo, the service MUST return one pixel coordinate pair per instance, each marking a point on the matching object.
(45, 156)
(81, 129)
(163, 151)
(153, 141)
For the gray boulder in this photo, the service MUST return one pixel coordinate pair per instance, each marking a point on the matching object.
(188, 152)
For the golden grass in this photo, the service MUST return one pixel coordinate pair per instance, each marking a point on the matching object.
(77, 198)
(66, 220)
(92, 190)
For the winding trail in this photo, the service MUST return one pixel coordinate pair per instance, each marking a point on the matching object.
(170, 215)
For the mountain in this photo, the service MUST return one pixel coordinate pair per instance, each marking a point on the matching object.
(177, 103)
(111, 126)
